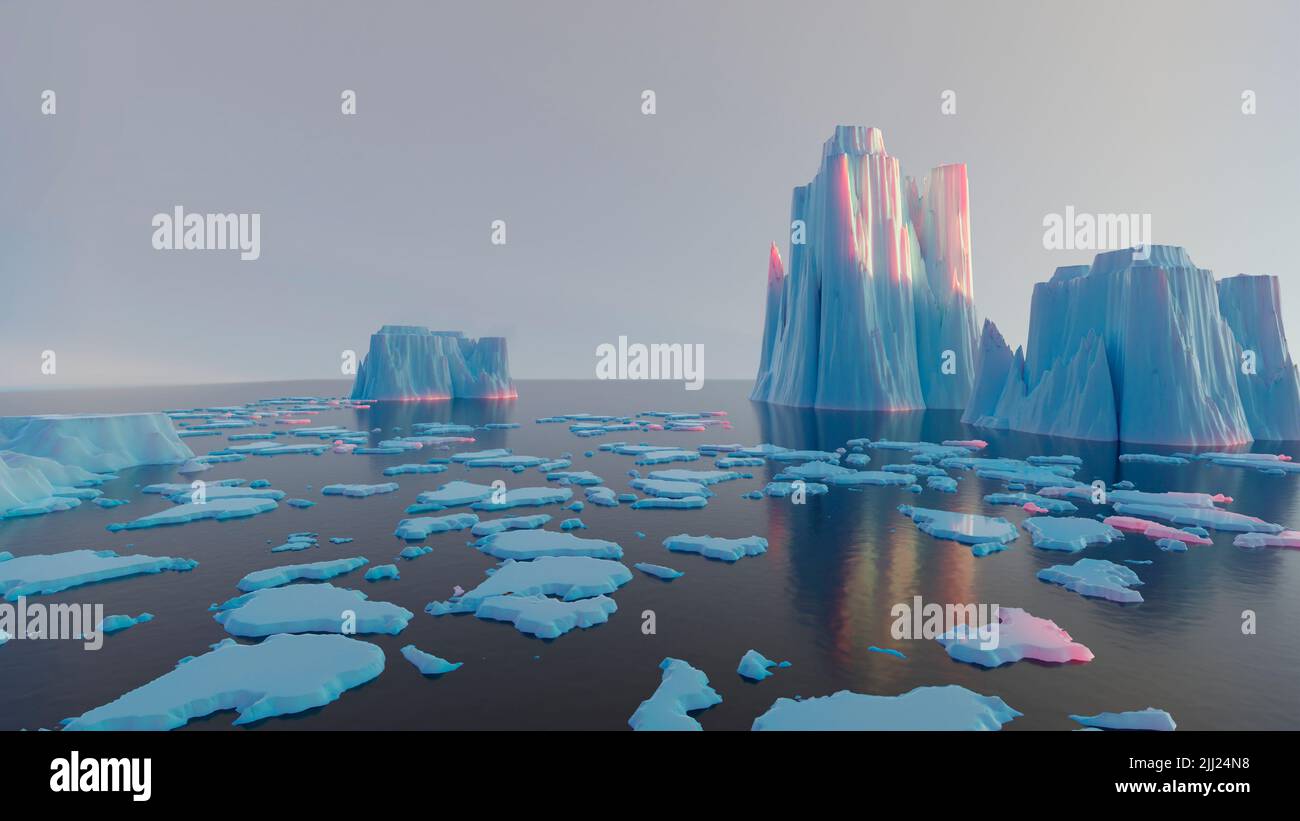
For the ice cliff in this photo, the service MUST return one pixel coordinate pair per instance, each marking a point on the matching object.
(1144, 350)
(410, 362)
(875, 311)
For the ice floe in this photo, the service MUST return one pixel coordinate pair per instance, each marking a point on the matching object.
(314, 571)
(531, 544)
(428, 664)
(715, 547)
(1017, 635)
(1096, 578)
(1148, 719)
(1069, 534)
(950, 707)
(682, 690)
(756, 667)
(967, 528)
(309, 608)
(44, 574)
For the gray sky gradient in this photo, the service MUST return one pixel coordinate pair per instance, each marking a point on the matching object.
(654, 227)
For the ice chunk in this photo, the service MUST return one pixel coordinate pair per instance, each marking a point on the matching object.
(1152, 458)
(414, 552)
(453, 494)
(282, 675)
(422, 527)
(755, 666)
(889, 651)
(682, 690)
(217, 509)
(309, 608)
(659, 571)
(1154, 530)
(576, 477)
(401, 470)
(783, 489)
(950, 707)
(44, 574)
(703, 477)
(492, 526)
(1069, 534)
(567, 577)
(116, 624)
(602, 496)
(427, 664)
(714, 547)
(381, 572)
(315, 571)
(1287, 538)
(544, 617)
(100, 443)
(1017, 635)
(967, 528)
(1020, 499)
(667, 489)
(1148, 719)
(684, 503)
(525, 497)
(530, 544)
(359, 491)
(1097, 578)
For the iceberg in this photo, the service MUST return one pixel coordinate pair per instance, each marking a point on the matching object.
(309, 608)
(567, 577)
(382, 572)
(359, 491)
(116, 624)
(531, 544)
(682, 691)
(659, 571)
(428, 664)
(950, 707)
(492, 526)
(422, 527)
(283, 675)
(1145, 350)
(1018, 636)
(314, 571)
(544, 617)
(756, 667)
(967, 528)
(43, 574)
(525, 497)
(1096, 578)
(876, 311)
(1148, 719)
(1069, 534)
(410, 362)
(99, 443)
(714, 547)
(217, 509)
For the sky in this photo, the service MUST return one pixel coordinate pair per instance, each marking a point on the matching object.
(655, 227)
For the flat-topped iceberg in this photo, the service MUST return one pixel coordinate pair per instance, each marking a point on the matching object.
(309, 608)
(491, 526)
(716, 547)
(410, 362)
(949, 707)
(116, 624)
(422, 527)
(545, 617)
(359, 491)
(313, 571)
(567, 577)
(525, 497)
(967, 528)
(217, 509)
(530, 544)
(282, 675)
(1148, 719)
(44, 574)
(1069, 534)
(1096, 578)
(682, 690)
(1017, 636)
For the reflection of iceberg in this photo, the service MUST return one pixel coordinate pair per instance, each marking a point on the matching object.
(1144, 350)
(409, 362)
(876, 311)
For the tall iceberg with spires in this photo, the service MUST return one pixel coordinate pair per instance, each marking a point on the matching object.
(410, 362)
(1144, 348)
(876, 309)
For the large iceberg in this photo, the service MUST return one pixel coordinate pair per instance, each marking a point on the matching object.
(1144, 347)
(876, 310)
(410, 362)
(101, 442)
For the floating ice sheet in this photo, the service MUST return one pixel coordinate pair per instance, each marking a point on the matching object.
(43, 574)
(1018, 636)
(1148, 719)
(967, 528)
(1069, 534)
(715, 547)
(1096, 578)
(682, 690)
(314, 571)
(309, 608)
(950, 707)
(531, 544)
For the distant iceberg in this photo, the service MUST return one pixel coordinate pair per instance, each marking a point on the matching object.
(410, 362)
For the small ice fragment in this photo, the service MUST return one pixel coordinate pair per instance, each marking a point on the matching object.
(755, 666)
(1148, 719)
(1096, 578)
(116, 624)
(889, 651)
(658, 571)
(714, 547)
(428, 664)
(1069, 534)
(381, 572)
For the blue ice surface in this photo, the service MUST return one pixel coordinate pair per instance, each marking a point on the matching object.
(510, 462)
(452, 494)
(308, 608)
(682, 690)
(100, 443)
(359, 491)
(1069, 534)
(116, 624)
(217, 509)
(1152, 458)
(108, 503)
(490, 526)
(667, 489)
(1210, 517)
(545, 617)
(315, 571)
(572, 524)
(889, 651)
(575, 477)
(422, 527)
(43, 574)
(186, 494)
(401, 470)
(300, 503)
(949, 707)
(567, 577)
(1096, 578)
(340, 539)
(814, 470)
(739, 462)
(659, 571)
(783, 489)
(943, 484)
(967, 528)
(684, 503)
(414, 552)
(602, 496)
(381, 572)
(1172, 545)
(1148, 719)
(282, 675)
(531, 544)
(702, 477)
(526, 497)
(1021, 499)
(428, 664)
(554, 465)
(662, 457)
(714, 547)
(296, 542)
(755, 666)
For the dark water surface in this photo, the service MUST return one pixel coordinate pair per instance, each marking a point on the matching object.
(819, 597)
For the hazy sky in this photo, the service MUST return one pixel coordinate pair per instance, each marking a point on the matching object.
(654, 227)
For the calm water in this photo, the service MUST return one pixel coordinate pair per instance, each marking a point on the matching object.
(819, 597)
